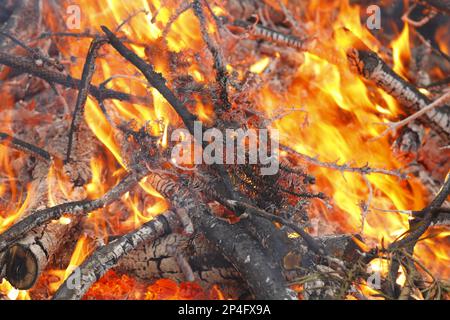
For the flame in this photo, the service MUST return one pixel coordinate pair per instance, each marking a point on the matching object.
(342, 120)
(260, 65)
(83, 248)
(343, 114)
(7, 290)
(401, 52)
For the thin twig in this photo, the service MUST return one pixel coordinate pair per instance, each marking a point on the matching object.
(310, 241)
(24, 146)
(416, 231)
(219, 65)
(86, 78)
(344, 167)
(422, 21)
(154, 78)
(393, 126)
(129, 18)
(35, 53)
(26, 65)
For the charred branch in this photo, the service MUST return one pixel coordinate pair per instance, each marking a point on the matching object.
(373, 68)
(264, 280)
(107, 256)
(158, 260)
(261, 32)
(24, 146)
(219, 64)
(27, 65)
(154, 78)
(86, 78)
(440, 5)
(41, 217)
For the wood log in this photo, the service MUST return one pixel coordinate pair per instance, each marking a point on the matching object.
(25, 258)
(158, 260)
(108, 255)
(265, 281)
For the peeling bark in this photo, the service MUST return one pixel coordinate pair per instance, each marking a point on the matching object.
(373, 68)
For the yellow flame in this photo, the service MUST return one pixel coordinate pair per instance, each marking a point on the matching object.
(12, 293)
(260, 65)
(401, 52)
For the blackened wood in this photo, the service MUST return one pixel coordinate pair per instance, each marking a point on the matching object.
(26, 65)
(157, 259)
(265, 281)
(41, 217)
(441, 5)
(265, 33)
(24, 146)
(219, 64)
(154, 78)
(419, 226)
(86, 78)
(107, 256)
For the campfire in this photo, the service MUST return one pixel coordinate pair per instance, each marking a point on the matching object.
(224, 149)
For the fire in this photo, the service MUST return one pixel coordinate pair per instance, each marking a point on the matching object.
(82, 250)
(260, 65)
(343, 118)
(6, 289)
(401, 52)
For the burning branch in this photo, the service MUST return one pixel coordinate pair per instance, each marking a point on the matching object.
(369, 65)
(107, 256)
(25, 146)
(219, 64)
(86, 78)
(29, 66)
(364, 170)
(426, 216)
(396, 125)
(154, 78)
(41, 217)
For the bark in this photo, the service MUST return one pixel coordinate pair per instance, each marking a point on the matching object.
(373, 68)
(26, 65)
(265, 33)
(86, 78)
(107, 256)
(265, 281)
(160, 259)
(41, 217)
(33, 240)
(26, 257)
